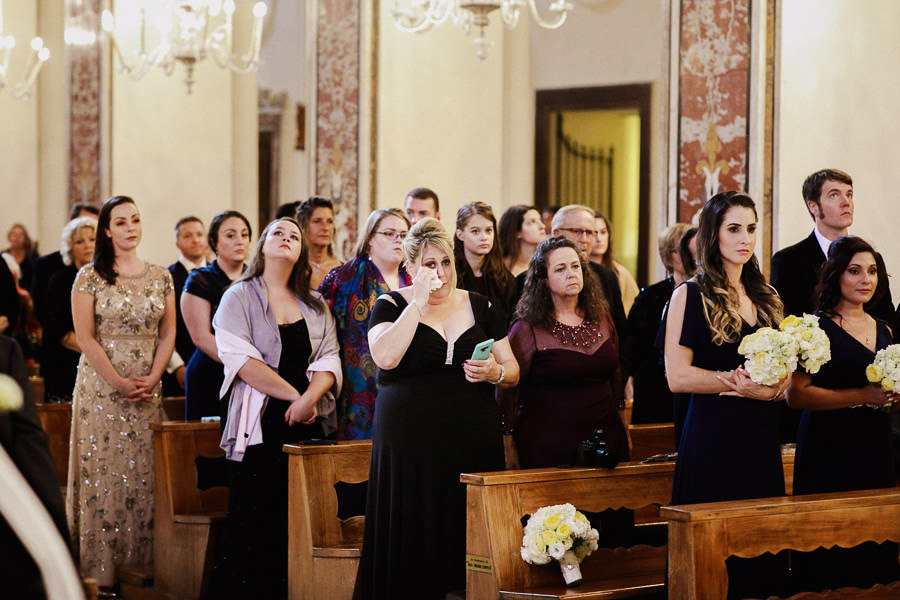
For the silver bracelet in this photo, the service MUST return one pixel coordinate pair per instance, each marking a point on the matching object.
(502, 376)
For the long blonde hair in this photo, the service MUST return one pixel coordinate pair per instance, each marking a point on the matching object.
(720, 304)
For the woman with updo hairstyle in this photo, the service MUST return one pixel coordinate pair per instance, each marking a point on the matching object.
(435, 417)
(567, 349)
(729, 449)
(521, 230)
(229, 238)
(60, 346)
(844, 439)
(351, 291)
(479, 260)
(316, 218)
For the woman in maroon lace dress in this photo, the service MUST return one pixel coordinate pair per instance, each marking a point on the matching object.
(567, 349)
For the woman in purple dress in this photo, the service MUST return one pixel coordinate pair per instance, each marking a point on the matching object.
(843, 443)
(567, 349)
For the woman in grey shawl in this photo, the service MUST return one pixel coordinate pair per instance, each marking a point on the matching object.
(277, 341)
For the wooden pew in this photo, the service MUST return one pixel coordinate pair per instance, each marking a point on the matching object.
(173, 406)
(702, 536)
(186, 519)
(57, 422)
(323, 550)
(497, 502)
(36, 383)
(650, 439)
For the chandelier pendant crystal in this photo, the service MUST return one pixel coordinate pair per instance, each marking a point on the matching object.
(20, 90)
(186, 31)
(418, 16)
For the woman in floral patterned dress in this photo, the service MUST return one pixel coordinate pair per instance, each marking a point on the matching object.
(124, 319)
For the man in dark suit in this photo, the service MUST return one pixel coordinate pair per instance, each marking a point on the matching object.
(795, 270)
(190, 239)
(23, 438)
(9, 298)
(577, 223)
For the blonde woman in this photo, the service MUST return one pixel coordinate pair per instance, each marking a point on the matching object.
(435, 417)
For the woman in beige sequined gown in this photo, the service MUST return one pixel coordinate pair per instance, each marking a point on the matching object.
(126, 330)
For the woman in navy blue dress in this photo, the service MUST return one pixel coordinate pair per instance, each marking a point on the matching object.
(229, 238)
(843, 444)
(729, 448)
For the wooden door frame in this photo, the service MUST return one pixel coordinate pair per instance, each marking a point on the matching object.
(635, 96)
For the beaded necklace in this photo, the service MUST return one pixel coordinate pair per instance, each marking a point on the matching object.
(580, 336)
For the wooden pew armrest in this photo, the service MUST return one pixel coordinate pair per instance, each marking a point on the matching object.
(344, 551)
(200, 518)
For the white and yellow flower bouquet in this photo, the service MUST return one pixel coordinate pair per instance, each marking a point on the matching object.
(771, 354)
(559, 532)
(885, 369)
(813, 345)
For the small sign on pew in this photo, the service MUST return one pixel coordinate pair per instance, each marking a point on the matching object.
(482, 564)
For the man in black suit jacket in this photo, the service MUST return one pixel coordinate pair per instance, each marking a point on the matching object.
(577, 223)
(190, 239)
(795, 270)
(23, 438)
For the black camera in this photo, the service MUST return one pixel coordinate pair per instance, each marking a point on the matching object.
(594, 452)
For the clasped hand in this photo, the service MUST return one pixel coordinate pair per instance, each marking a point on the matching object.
(136, 389)
(740, 384)
(482, 370)
(302, 410)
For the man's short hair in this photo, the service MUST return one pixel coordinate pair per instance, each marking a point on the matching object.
(188, 219)
(812, 186)
(423, 193)
(563, 213)
(77, 209)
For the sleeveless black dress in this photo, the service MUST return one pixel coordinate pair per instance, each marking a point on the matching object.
(844, 450)
(729, 449)
(253, 549)
(430, 426)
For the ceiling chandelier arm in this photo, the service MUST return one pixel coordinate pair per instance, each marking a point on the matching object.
(560, 7)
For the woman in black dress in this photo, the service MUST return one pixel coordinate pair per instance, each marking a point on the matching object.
(277, 340)
(843, 444)
(479, 261)
(729, 449)
(435, 417)
(61, 349)
(229, 237)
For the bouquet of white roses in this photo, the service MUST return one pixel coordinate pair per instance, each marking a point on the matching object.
(813, 346)
(771, 354)
(562, 533)
(885, 369)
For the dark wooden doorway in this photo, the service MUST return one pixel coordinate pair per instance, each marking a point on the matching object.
(550, 103)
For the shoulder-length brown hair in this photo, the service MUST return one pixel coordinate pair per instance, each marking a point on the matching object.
(492, 266)
(536, 304)
(720, 302)
(510, 226)
(104, 253)
(841, 252)
(298, 282)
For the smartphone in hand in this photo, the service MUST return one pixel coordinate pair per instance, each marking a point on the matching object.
(482, 350)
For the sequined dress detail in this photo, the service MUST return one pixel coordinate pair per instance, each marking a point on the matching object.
(109, 499)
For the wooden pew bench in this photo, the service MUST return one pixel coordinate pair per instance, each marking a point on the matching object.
(650, 439)
(324, 533)
(496, 503)
(186, 519)
(57, 422)
(702, 536)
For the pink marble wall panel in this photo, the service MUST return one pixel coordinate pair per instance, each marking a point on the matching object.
(84, 104)
(337, 118)
(713, 101)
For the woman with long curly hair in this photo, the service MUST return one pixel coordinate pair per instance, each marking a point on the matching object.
(843, 443)
(479, 261)
(567, 349)
(729, 449)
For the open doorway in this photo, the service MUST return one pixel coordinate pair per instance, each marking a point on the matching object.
(593, 148)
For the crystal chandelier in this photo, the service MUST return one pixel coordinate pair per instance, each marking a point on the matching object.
(39, 56)
(421, 15)
(186, 31)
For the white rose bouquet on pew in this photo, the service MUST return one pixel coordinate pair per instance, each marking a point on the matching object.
(813, 346)
(771, 354)
(559, 532)
(885, 369)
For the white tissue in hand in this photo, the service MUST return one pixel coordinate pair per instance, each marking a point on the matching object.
(436, 282)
